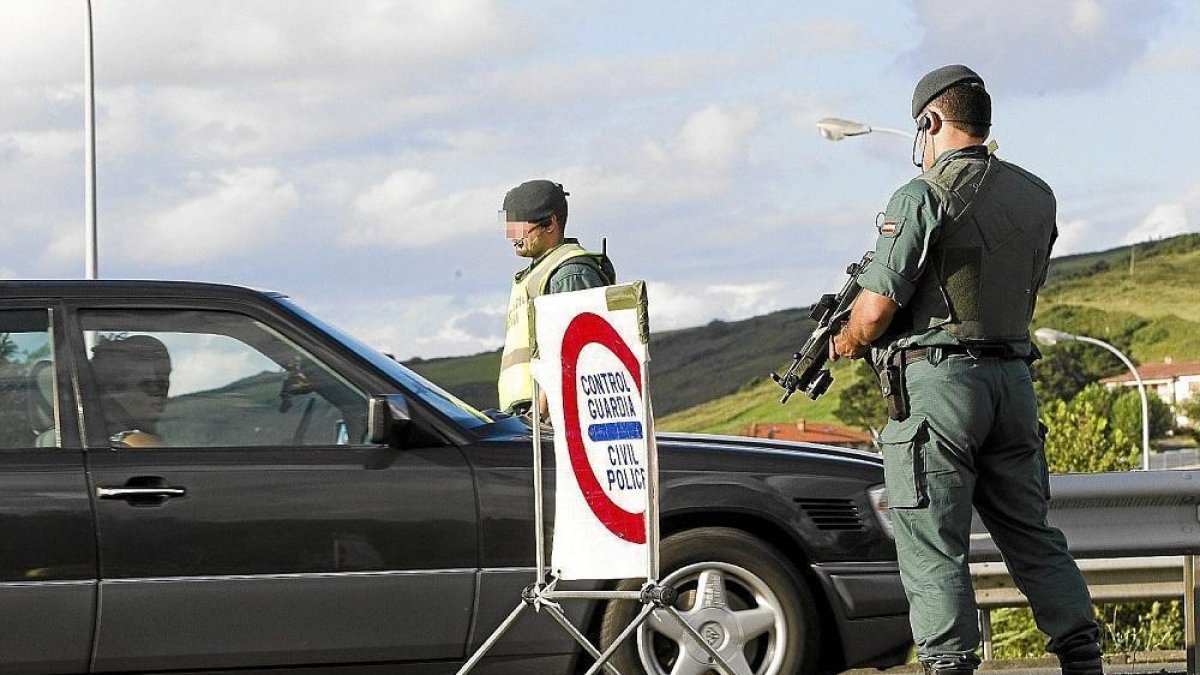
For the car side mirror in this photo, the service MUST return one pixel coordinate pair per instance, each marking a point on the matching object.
(387, 415)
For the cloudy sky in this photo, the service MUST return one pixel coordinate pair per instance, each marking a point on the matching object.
(353, 153)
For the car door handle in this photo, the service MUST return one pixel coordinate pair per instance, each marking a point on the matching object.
(133, 492)
(142, 491)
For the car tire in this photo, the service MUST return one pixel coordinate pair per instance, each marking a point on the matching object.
(754, 604)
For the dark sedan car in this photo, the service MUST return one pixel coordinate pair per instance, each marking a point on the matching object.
(189, 484)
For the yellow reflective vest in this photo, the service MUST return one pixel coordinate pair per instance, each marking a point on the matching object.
(515, 384)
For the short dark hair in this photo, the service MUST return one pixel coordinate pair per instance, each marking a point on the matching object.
(111, 358)
(968, 107)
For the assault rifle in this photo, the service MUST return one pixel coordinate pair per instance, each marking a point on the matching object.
(808, 371)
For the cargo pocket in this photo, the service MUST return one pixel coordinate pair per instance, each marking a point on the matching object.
(903, 462)
(1043, 465)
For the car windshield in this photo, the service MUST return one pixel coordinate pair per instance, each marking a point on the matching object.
(445, 402)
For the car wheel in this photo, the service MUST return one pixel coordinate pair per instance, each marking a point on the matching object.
(740, 593)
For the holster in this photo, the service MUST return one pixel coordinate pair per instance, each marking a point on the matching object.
(891, 382)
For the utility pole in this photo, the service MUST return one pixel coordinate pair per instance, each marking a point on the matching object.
(91, 263)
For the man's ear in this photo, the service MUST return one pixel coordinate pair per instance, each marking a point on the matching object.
(553, 222)
(935, 120)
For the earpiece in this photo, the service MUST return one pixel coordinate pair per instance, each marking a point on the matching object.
(924, 122)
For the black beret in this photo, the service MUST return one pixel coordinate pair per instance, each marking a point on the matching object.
(534, 201)
(937, 81)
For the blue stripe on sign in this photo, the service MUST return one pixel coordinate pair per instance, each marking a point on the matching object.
(614, 431)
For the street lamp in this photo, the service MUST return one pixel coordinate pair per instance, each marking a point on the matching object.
(835, 129)
(1049, 337)
(91, 263)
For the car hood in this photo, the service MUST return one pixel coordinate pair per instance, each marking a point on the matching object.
(514, 429)
(757, 445)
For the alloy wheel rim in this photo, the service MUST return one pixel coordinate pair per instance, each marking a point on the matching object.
(732, 608)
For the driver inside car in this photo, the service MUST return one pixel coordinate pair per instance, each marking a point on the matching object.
(134, 376)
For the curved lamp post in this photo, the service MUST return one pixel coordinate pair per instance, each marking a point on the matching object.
(1049, 336)
(835, 129)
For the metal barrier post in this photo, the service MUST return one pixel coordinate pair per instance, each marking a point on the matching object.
(985, 632)
(1191, 607)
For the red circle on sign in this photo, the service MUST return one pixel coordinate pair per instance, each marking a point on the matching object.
(586, 329)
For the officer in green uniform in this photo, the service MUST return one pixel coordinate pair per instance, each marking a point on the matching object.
(535, 217)
(946, 306)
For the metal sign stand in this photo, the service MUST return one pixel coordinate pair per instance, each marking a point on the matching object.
(542, 594)
(1191, 608)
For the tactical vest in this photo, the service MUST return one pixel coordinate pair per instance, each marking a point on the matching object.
(983, 274)
(515, 374)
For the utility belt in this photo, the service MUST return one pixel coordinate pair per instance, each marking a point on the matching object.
(891, 377)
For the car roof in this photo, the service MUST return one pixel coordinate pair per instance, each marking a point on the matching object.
(125, 288)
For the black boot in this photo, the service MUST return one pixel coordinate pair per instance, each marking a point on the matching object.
(1082, 660)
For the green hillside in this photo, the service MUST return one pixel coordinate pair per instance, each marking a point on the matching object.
(713, 378)
(759, 402)
(471, 378)
(1164, 282)
(688, 367)
(1153, 312)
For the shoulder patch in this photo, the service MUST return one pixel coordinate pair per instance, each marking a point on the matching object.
(890, 227)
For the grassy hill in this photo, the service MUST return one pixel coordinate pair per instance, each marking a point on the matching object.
(713, 378)
(471, 378)
(758, 401)
(688, 367)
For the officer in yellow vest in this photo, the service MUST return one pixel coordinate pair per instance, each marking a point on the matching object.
(534, 217)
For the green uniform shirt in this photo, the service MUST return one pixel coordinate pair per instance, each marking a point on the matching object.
(909, 231)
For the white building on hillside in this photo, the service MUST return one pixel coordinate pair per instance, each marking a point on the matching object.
(1173, 382)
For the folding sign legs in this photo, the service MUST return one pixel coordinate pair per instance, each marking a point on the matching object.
(655, 596)
(540, 597)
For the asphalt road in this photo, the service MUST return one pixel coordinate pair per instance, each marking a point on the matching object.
(1043, 667)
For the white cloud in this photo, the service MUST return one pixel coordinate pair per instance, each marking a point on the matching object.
(200, 362)
(707, 142)
(410, 209)
(40, 40)
(65, 246)
(228, 213)
(1185, 59)
(681, 305)
(1169, 219)
(1164, 220)
(713, 136)
(407, 210)
(827, 34)
(608, 79)
(1074, 236)
(426, 326)
(1035, 46)
(42, 146)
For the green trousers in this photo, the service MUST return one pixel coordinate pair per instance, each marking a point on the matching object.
(973, 439)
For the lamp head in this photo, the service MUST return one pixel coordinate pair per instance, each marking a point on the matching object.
(835, 129)
(1051, 337)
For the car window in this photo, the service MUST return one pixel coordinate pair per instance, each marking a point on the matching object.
(213, 379)
(28, 407)
(440, 399)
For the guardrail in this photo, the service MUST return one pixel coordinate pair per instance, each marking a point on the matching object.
(1136, 536)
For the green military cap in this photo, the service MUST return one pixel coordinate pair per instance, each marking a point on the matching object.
(534, 201)
(939, 80)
